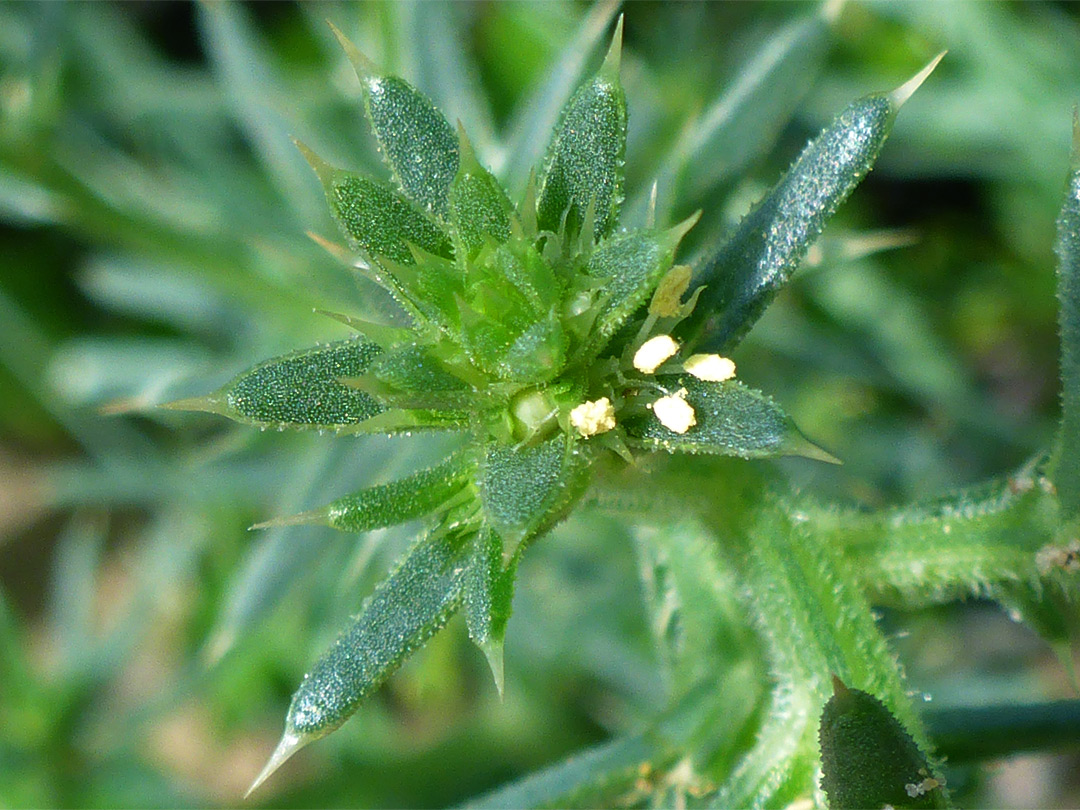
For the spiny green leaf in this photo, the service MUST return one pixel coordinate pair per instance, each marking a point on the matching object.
(489, 591)
(868, 759)
(479, 208)
(525, 489)
(585, 160)
(631, 264)
(1066, 465)
(732, 420)
(416, 140)
(298, 390)
(407, 608)
(412, 368)
(539, 114)
(389, 504)
(759, 258)
(374, 218)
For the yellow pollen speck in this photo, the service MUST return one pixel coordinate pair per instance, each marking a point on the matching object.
(654, 352)
(674, 412)
(590, 418)
(710, 367)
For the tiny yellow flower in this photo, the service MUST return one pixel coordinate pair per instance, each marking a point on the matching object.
(654, 352)
(674, 412)
(710, 367)
(590, 418)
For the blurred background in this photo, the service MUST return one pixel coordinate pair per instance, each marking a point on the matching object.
(152, 244)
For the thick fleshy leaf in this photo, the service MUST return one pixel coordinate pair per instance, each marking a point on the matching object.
(488, 593)
(374, 218)
(868, 759)
(632, 265)
(1066, 466)
(766, 248)
(389, 504)
(525, 489)
(479, 208)
(298, 390)
(407, 608)
(732, 420)
(585, 161)
(417, 142)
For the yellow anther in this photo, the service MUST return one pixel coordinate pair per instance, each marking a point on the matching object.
(653, 352)
(710, 367)
(674, 412)
(590, 418)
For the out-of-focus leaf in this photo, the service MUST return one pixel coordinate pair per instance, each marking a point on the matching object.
(1066, 463)
(746, 118)
(73, 588)
(732, 420)
(236, 53)
(584, 165)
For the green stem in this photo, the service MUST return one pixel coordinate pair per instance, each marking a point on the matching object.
(971, 733)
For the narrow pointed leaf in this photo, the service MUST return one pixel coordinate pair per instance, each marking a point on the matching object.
(390, 504)
(759, 258)
(732, 420)
(525, 489)
(585, 160)
(540, 114)
(632, 265)
(417, 142)
(374, 217)
(488, 593)
(1066, 472)
(479, 208)
(298, 390)
(410, 606)
(411, 368)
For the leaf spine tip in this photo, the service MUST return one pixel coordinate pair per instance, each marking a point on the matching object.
(363, 66)
(613, 59)
(901, 94)
(207, 404)
(322, 169)
(290, 743)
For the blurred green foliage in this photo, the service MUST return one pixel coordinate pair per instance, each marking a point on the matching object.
(152, 212)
